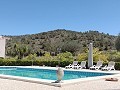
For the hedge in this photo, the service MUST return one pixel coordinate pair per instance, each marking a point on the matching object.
(51, 63)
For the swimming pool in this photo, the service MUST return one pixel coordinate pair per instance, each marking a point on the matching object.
(47, 74)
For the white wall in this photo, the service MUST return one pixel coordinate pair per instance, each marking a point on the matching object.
(2, 46)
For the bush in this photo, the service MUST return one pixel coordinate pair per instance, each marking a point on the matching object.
(117, 65)
(51, 63)
(7, 62)
(65, 56)
(65, 63)
(23, 63)
(114, 56)
(82, 56)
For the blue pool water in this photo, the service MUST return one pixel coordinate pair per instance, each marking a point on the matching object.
(47, 73)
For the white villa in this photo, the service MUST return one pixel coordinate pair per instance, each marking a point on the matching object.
(2, 46)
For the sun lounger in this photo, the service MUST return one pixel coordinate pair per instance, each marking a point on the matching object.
(110, 66)
(97, 66)
(82, 65)
(72, 65)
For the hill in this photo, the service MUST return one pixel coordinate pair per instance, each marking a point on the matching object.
(60, 40)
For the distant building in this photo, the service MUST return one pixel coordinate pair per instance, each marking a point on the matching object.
(2, 46)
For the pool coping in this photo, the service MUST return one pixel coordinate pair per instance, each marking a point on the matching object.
(63, 82)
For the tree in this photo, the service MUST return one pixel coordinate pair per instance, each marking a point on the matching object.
(20, 50)
(67, 40)
(117, 43)
(71, 46)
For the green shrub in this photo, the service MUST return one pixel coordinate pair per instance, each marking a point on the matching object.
(114, 56)
(7, 62)
(65, 63)
(65, 56)
(82, 56)
(51, 63)
(23, 63)
(117, 65)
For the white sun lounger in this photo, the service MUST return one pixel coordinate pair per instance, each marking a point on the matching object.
(97, 66)
(82, 65)
(72, 65)
(110, 66)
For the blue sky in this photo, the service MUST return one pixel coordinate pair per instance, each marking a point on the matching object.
(19, 17)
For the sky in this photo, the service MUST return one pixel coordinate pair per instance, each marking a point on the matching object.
(20, 17)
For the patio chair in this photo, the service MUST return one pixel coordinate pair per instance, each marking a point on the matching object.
(81, 66)
(110, 66)
(72, 65)
(97, 66)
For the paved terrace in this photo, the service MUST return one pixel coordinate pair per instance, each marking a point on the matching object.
(6, 84)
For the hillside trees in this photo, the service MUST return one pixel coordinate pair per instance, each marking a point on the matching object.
(117, 43)
(19, 50)
(71, 46)
(67, 40)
